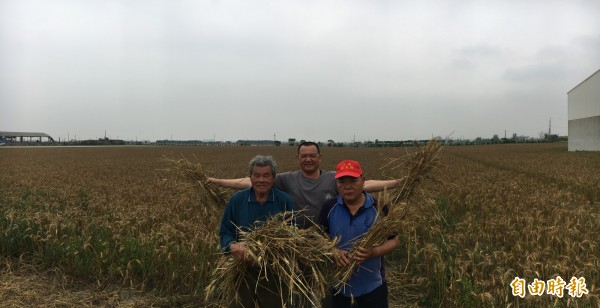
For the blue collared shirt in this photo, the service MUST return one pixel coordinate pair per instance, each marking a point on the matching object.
(338, 221)
(243, 211)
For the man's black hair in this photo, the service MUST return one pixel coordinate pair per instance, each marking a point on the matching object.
(307, 144)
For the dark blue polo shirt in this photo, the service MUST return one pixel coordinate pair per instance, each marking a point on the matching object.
(243, 211)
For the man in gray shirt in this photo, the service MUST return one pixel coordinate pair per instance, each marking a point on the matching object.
(310, 186)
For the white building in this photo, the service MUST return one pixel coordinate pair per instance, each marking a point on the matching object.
(584, 115)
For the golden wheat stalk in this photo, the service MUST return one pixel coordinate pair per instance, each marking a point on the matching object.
(300, 260)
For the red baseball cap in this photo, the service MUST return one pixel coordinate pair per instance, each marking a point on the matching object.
(348, 168)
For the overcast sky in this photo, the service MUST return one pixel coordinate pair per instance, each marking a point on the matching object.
(314, 70)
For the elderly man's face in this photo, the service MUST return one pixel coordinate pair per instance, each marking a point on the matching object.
(261, 179)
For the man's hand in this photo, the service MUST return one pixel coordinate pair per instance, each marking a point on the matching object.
(363, 254)
(238, 251)
(342, 257)
(213, 181)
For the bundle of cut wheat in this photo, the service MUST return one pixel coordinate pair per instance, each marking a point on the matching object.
(423, 161)
(192, 189)
(197, 176)
(299, 259)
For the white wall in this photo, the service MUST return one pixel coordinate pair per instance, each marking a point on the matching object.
(584, 115)
(584, 134)
(584, 100)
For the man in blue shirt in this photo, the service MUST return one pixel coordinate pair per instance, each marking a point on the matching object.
(349, 217)
(245, 208)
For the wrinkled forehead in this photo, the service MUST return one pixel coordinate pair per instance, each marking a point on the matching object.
(261, 169)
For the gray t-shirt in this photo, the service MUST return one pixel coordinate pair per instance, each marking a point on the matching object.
(309, 194)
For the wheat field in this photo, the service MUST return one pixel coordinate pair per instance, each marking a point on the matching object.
(112, 226)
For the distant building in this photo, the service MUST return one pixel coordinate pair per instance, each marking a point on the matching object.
(584, 115)
(24, 137)
(102, 141)
(258, 142)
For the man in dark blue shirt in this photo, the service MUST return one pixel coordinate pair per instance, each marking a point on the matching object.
(244, 209)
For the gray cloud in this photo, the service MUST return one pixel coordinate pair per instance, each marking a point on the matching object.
(233, 70)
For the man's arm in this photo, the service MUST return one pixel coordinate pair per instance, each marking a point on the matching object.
(381, 185)
(239, 184)
(227, 228)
